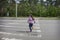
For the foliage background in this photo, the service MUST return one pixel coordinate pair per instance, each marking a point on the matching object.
(26, 8)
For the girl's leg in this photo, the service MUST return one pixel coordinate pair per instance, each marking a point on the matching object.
(30, 27)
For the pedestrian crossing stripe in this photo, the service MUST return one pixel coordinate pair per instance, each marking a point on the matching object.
(37, 30)
(20, 34)
(14, 23)
(4, 38)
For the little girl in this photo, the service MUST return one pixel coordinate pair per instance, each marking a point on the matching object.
(31, 21)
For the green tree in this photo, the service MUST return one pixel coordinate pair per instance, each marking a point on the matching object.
(57, 2)
(3, 4)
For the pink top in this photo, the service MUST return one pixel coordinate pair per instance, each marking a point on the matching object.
(30, 20)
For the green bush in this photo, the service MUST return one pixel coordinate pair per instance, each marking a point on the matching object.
(38, 10)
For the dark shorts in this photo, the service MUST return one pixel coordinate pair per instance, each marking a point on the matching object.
(30, 24)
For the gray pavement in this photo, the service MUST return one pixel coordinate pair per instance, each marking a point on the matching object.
(17, 29)
(50, 29)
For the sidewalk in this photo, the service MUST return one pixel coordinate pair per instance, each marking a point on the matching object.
(39, 18)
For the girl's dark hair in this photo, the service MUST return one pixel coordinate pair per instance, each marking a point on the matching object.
(32, 16)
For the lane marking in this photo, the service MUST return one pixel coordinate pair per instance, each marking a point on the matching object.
(36, 31)
(20, 34)
(10, 39)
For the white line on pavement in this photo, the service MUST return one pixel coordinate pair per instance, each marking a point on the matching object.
(10, 39)
(20, 34)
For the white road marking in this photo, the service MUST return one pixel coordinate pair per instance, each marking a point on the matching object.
(39, 36)
(20, 34)
(37, 31)
(10, 39)
(17, 22)
(11, 33)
